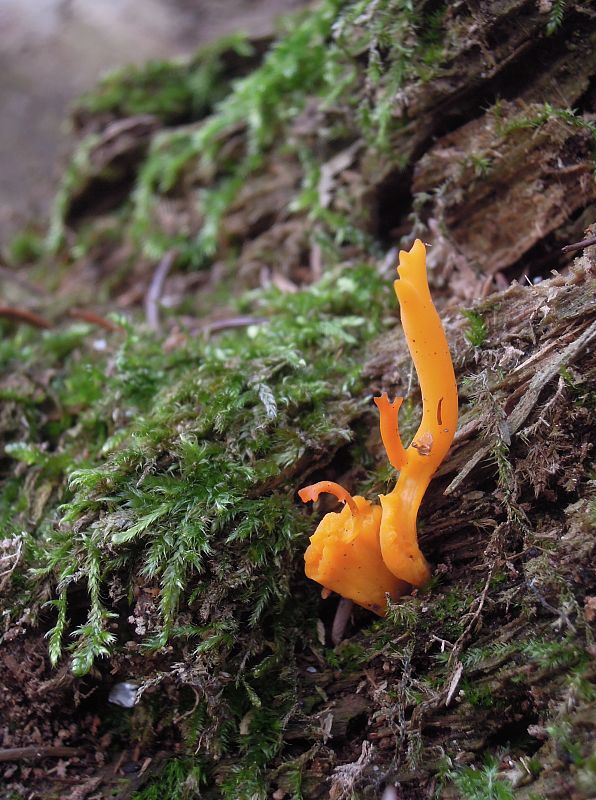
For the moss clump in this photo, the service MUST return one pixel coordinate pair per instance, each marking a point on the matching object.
(209, 435)
(354, 57)
(483, 783)
(477, 331)
(261, 103)
(544, 114)
(25, 247)
(179, 779)
(179, 478)
(174, 92)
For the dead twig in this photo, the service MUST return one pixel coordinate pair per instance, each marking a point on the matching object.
(544, 602)
(36, 753)
(94, 319)
(230, 322)
(118, 763)
(28, 317)
(81, 792)
(316, 262)
(146, 764)
(17, 557)
(341, 619)
(179, 717)
(156, 289)
(454, 682)
(455, 664)
(570, 248)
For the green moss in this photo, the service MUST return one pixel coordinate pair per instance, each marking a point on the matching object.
(404, 614)
(74, 178)
(480, 164)
(580, 390)
(580, 684)
(479, 695)
(389, 40)
(264, 100)
(172, 91)
(474, 656)
(25, 247)
(431, 48)
(179, 779)
(319, 55)
(348, 656)
(482, 783)
(555, 16)
(448, 610)
(552, 654)
(221, 434)
(498, 579)
(12, 502)
(544, 114)
(176, 471)
(571, 747)
(333, 229)
(477, 331)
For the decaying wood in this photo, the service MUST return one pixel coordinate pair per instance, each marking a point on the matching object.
(482, 172)
(530, 395)
(533, 184)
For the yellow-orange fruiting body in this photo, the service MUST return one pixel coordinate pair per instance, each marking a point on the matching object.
(430, 352)
(344, 553)
(366, 552)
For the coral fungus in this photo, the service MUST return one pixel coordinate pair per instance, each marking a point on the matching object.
(366, 552)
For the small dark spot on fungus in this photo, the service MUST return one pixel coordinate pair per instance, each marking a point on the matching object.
(439, 409)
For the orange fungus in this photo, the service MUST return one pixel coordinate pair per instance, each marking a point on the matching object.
(367, 552)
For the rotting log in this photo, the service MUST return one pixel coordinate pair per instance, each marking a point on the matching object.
(490, 165)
